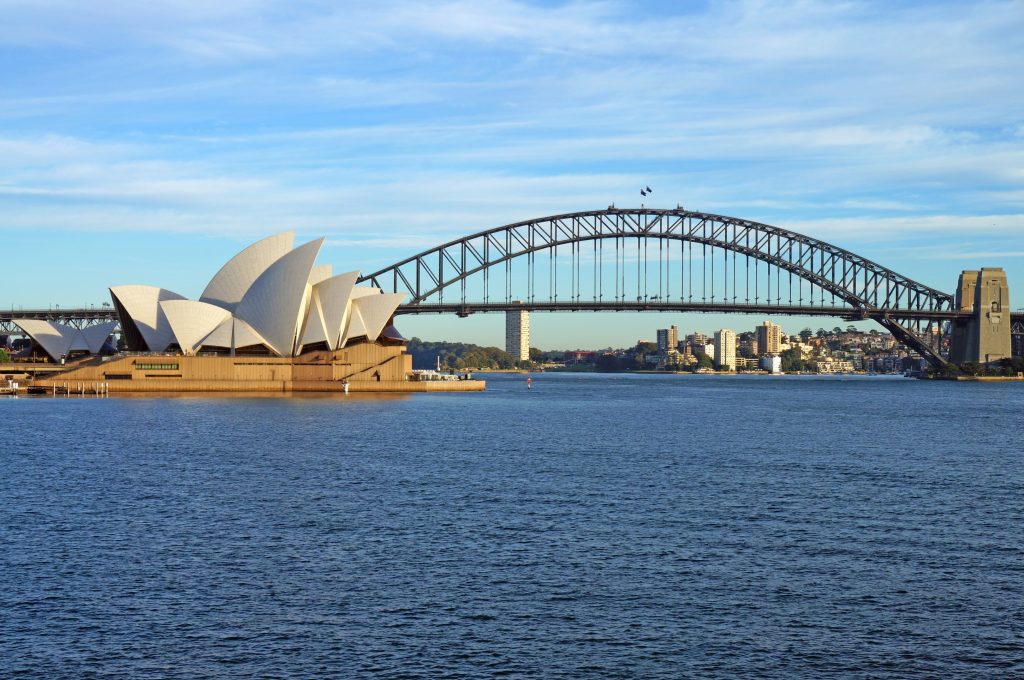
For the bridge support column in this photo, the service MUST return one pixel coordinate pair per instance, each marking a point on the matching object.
(985, 335)
(517, 334)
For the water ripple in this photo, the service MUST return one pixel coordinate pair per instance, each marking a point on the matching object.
(596, 526)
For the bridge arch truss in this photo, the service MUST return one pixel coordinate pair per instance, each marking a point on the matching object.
(670, 260)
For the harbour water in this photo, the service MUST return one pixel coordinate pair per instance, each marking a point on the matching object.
(593, 526)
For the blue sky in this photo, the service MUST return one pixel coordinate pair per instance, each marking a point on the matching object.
(148, 142)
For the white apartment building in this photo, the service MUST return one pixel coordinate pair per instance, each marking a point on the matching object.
(725, 349)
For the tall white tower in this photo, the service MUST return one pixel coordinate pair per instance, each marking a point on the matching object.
(725, 349)
(517, 334)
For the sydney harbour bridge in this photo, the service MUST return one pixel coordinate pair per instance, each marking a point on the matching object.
(651, 260)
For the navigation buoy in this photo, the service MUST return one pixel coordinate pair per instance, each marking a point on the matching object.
(529, 383)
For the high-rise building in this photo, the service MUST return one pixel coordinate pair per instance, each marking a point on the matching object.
(725, 349)
(769, 337)
(517, 334)
(697, 338)
(668, 338)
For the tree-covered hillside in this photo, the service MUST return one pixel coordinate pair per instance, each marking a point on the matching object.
(457, 355)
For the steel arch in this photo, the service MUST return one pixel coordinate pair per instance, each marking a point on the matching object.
(858, 283)
(871, 290)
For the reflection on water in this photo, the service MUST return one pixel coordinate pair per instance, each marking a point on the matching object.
(333, 396)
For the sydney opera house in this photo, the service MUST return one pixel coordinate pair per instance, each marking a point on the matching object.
(270, 319)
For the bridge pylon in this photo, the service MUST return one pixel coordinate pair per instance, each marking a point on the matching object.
(985, 335)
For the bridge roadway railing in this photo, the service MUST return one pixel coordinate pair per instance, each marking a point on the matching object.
(847, 313)
(84, 317)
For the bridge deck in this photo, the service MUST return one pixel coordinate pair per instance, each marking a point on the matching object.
(657, 306)
(64, 315)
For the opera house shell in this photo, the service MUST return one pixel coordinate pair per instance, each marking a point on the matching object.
(270, 299)
(270, 320)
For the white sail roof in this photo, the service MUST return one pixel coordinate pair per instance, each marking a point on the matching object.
(232, 333)
(313, 330)
(321, 272)
(356, 328)
(329, 310)
(192, 321)
(363, 291)
(376, 311)
(273, 305)
(142, 303)
(78, 341)
(96, 335)
(229, 285)
(267, 295)
(56, 339)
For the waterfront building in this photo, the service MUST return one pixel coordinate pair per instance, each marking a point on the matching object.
(702, 350)
(517, 334)
(580, 356)
(769, 338)
(771, 363)
(833, 365)
(668, 338)
(697, 338)
(271, 320)
(686, 360)
(745, 364)
(725, 349)
(805, 350)
(746, 344)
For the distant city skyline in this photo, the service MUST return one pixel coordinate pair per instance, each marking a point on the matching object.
(133, 132)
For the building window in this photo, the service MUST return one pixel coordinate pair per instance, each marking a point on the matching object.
(156, 367)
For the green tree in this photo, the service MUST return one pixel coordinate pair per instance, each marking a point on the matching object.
(705, 362)
(791, 361)
(806, 334)
(4, 356)
(457, 355)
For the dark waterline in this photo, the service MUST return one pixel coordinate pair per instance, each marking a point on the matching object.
(595, 526)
